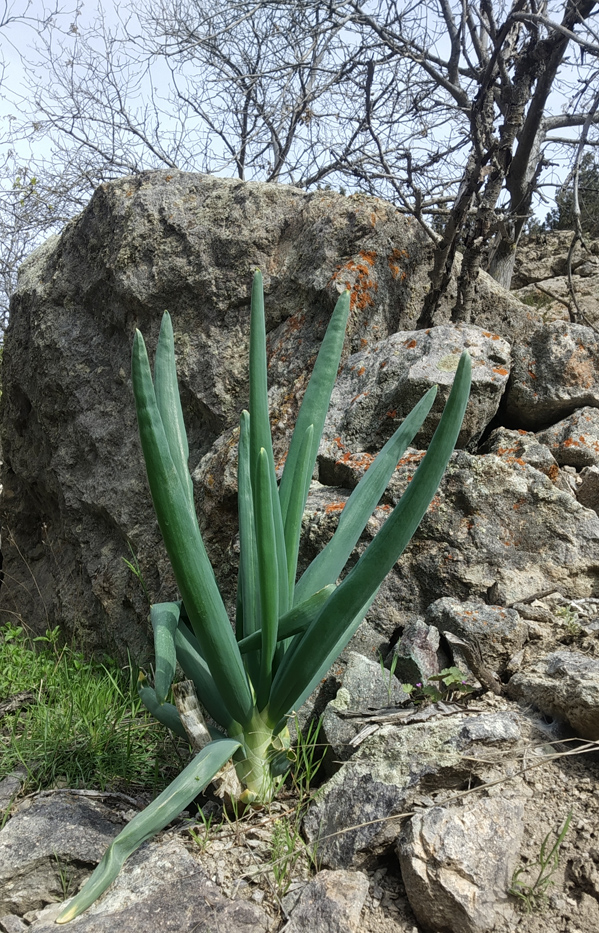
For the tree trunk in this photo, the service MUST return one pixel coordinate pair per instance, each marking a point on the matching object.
(502, 262)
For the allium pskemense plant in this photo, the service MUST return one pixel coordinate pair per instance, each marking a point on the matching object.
(287, 633)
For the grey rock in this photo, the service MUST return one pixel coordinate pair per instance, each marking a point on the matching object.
(522, 446)
(457, 864)
(10, 923)
(587, 269)
(494, 531)
(564, 684)
(587, 491)
(331, 903)
(498, 632)
(554, 371)
(416, 652)
(365, 685)
(540, 258)
(188, 243)
(370, 685)
(162, 887)
(491, 729)
(574, 441)
(45, 837)
(380, 385)
(354, 811)
(10, 787)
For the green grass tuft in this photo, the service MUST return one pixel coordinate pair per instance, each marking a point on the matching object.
(80, 723)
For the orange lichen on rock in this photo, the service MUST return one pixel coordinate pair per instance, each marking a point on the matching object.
(410, 344)
(412, 458)
(553, 472)
(362, 285)
(393, 261)
(500, 371)
(335, 507)
(360, 461)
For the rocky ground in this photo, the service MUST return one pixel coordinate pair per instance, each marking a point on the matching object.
(430, 804)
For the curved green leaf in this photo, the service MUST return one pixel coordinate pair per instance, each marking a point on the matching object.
(178, 795)
(260, 436)
(328, 564)
(165, 619)
(248, 586)
(268, 575)
(169, 404)
(185, 548)
(293, 622)
(293, 491)
(194, 666)
(293, 526)
(165, 713)
(333, 626)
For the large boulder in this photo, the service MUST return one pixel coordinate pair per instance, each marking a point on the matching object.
(76, 503)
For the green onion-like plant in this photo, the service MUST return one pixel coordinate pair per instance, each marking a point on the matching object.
(288, 632)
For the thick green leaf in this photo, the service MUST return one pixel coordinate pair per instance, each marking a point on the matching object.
(293, 492)
(185, 548)
(328, 564)
(260, 436)
(293, 527)
(293, 622)
(165, 713)
(268, 576)
(248, 561)
(333, 626)
(178, 795)
(327, 661)
(165, 619)
(169, 404)
(248, 586)
(194, 666)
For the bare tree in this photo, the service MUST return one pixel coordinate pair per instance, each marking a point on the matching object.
(442, 106)
(496, 68)
(27, 205)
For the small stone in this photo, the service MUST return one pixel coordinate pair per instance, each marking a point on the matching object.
(416, 653)
(331, 903)
(10, 923)
(457, 863)
(588, 490)
(564, 684)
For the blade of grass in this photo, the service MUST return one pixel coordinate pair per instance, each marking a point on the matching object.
(248, 590)
(247, 534)
(260, 436)
(268, 576)
(302, 477)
